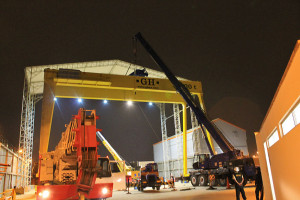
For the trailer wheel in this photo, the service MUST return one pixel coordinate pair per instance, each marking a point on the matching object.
(195, 180)
(158, 188)
(222, 181)
(203, 180)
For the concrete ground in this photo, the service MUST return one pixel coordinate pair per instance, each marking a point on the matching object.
(184, 194)
(184, 191)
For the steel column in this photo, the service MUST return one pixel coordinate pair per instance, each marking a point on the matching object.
(184, 140)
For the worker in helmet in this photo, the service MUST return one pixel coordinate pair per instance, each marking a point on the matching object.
(238, 180)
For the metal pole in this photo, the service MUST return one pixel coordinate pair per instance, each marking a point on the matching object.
(184, 130)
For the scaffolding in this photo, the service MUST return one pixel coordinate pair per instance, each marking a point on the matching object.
(27, 129)
(164, 137)
(177, 125)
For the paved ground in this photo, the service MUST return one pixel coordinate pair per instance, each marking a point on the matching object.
(194, 193)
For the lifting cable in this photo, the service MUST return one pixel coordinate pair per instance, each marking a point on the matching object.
(134, 51)
(145, 116)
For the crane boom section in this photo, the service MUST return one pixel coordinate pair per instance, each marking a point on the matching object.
(187, 96)
(113, 152)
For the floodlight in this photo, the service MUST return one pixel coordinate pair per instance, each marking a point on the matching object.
(129, 103)
(79, 100)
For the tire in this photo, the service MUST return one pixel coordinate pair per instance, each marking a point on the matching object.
(195, 180)
(158, 188)
(222, 181)
(138, 187)
(142, 189)
(203, 180)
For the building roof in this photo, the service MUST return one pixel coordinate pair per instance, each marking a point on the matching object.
(35, 74)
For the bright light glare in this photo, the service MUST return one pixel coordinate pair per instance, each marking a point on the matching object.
(104, 191)
(46, 194)
(55, 99)
(105, 101)
(119, 180)
(79, 100)
(20, 151)
(150, 103)
(129, 103)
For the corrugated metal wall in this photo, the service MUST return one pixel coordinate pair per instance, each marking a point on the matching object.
(234, 134)
(10, 176)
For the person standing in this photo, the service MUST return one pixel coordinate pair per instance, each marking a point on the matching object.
(259, 185)
(239, 180)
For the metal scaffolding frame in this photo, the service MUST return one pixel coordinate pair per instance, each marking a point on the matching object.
(164, 136)
(177, 124)
(27, 130)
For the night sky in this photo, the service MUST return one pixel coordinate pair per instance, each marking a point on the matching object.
(237, 49)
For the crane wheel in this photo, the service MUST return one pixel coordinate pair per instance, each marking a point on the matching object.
(195, 180)
(203, 180)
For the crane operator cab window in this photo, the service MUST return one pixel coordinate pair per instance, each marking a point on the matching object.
(201, 158)
(103, 168)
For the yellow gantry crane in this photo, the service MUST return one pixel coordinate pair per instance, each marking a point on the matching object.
(65, 83)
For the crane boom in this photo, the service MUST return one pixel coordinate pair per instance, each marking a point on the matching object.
(184, 92)
(113, 152)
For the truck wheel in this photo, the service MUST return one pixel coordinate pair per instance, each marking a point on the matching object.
(203, 180)
(139, 189)
(142, 189)
(195, 180)
(222, 181)
(153, 188)
(158, 188)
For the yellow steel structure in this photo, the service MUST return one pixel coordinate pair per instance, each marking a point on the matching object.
(76, 84)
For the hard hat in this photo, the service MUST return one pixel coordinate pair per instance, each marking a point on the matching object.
(236, 169)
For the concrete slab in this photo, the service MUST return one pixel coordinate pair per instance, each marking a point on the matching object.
(185, 191)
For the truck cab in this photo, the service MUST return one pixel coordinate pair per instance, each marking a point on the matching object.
(201, 161)
(149, 177)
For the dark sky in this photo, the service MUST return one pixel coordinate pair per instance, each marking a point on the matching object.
(237, 49)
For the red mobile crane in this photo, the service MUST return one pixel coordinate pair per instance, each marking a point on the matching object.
(70, 171)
